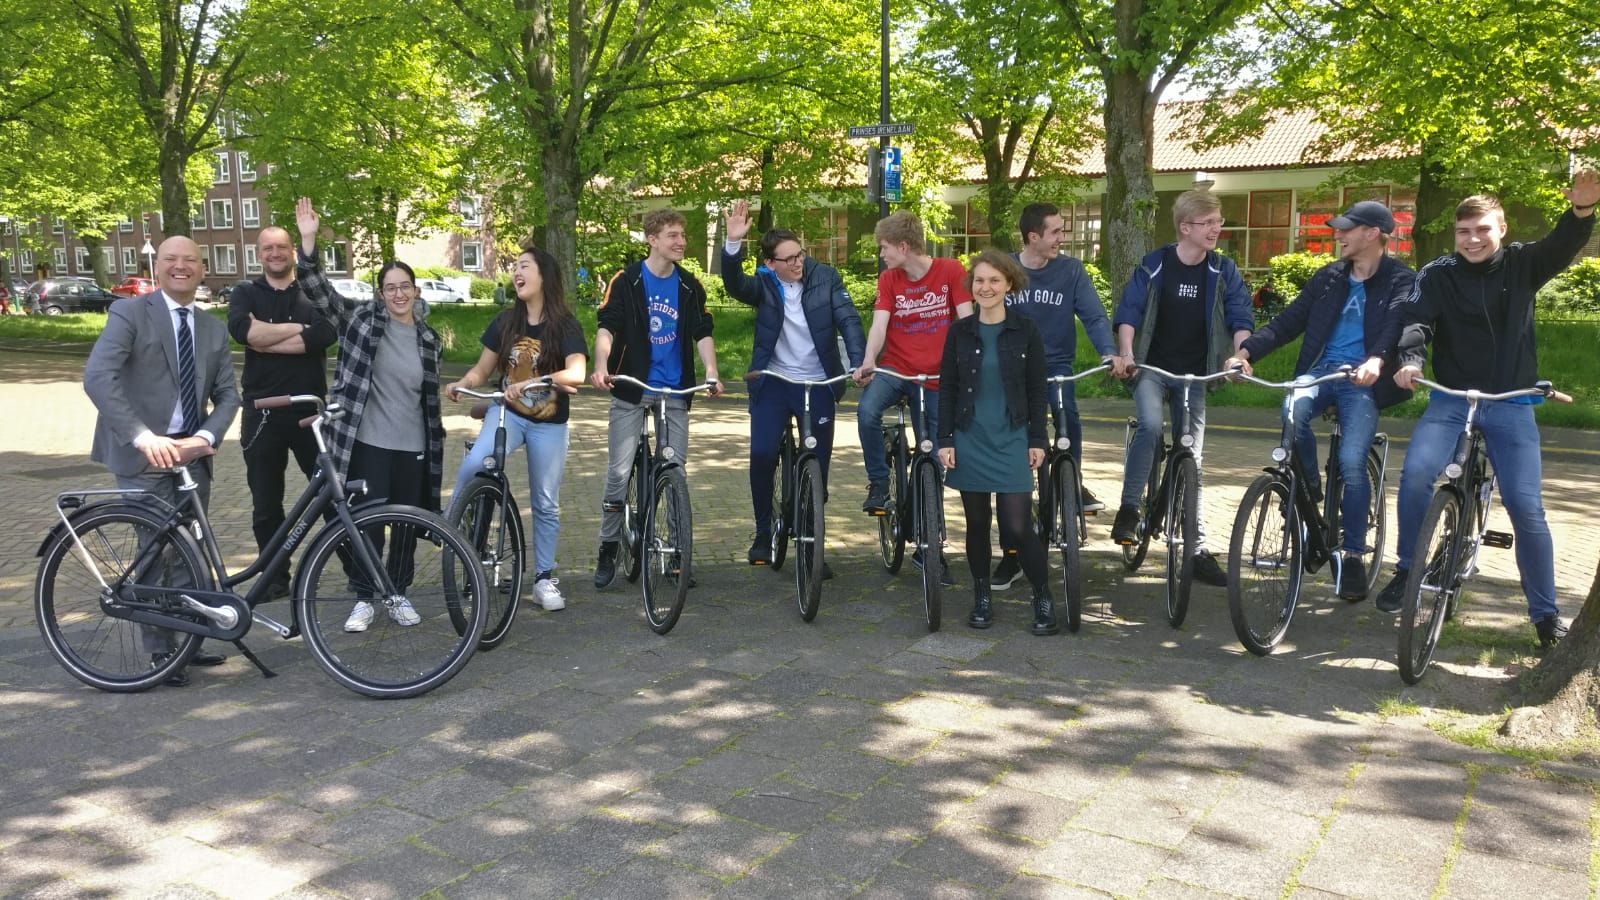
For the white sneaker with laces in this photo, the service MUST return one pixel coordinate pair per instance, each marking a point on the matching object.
(360, 618)
(549, 596)
(404, 614)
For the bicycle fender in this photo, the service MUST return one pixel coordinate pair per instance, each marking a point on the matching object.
(60, 527)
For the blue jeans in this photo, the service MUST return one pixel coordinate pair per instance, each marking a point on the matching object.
(880, 394)
(1512, 441)
(1358, 424)
(547, 462)
(1149, 394)
(780, 402)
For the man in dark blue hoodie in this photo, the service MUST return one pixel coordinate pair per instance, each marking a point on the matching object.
(1346, 312)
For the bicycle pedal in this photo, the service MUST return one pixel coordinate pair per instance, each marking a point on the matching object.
(1497, 539)
(876, 513)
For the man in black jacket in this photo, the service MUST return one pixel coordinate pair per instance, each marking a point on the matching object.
(1476, 307)
(1346, 312)
(653, 314)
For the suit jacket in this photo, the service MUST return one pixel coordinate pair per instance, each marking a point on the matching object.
(132, 378)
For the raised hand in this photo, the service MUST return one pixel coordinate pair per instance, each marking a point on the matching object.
(309, 223)
(1585, 190)
(738, 220)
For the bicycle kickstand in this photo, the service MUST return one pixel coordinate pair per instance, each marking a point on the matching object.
(254, 660)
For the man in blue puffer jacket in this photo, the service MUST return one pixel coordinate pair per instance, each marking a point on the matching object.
(802, 309)
(1348, 314)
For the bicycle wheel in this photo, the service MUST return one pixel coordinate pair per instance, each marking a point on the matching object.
(409, 644)
(1183, 501)
(894, 524)
(100, 650)
(630, 547)
(783, 499)
(490, 520)
(1377, 521)
(930, 533)
(809, 527)
(1133, 554)
(1264, 565)
(1064, 534)
(1433, 582)
(668, 550)
(1474, 519)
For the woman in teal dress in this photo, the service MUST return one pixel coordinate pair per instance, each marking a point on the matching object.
(992, 414)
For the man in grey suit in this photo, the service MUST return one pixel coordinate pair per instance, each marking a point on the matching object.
(153, 347)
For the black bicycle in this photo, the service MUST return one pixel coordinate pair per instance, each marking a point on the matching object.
(1454, 529)
(1280, 533)
(916, 500)
(661, 545)
(487, 514)
(122, 562)
(1062, 522)
(1171, 501)
(798, 497)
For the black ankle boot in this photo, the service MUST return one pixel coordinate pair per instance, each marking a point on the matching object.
(1044, 612)
(982, 615)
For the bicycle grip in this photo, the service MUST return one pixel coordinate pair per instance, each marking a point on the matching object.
(1559, 397)
(274, 402)
(751, 376)
(306, 422)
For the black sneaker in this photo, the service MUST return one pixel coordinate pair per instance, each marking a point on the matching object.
(1353, 579)
(760, 549)
(877, 502)
(1551, 631)
(1391, 597)
(1125, 529)
(827, 571)
(1005, 573)
(1091, 503)
(1208, 571)
(945, 578)
(605, 568)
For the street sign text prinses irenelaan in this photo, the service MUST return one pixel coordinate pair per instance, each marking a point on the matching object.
(890, 130)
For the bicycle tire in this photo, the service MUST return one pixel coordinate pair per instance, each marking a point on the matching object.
(809, 535)
(492, 524)
(437, 572)
(1377, 521)
(668, 549)
(1133, 555)
(1182, 537)
(101, 650)
(630, 545)
(1434, 572)
(1264, 565)
(783, 499)
(1064, 534)
(892, 525)
(930, 531)
(1476, 516)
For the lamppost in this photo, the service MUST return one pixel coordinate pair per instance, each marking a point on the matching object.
(883, 101)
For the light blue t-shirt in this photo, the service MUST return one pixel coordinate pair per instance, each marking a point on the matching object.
(1348, 344)
(661, 301)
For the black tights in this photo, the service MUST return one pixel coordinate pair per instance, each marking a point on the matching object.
(1016, 530)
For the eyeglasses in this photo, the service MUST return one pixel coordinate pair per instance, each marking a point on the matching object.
(790, 260)
(1209, 223)
(398, 290)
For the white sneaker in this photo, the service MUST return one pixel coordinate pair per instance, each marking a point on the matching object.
(360, 617)
(549, 596)
(403, 614)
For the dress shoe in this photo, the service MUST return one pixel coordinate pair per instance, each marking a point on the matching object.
(207, 659)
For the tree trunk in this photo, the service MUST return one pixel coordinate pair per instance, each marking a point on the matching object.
(1431, 240)
(767, 216)
(1128, 217)
(1565, 686)
(563, 185)
(999, 195)
(97, 261)
(175, 207)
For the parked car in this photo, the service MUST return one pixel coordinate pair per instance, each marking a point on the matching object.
(202, 294)
(133, 286)
(352, 289)
(434, 291)
(55, 296)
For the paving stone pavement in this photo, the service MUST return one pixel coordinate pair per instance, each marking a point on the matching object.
(748, 754)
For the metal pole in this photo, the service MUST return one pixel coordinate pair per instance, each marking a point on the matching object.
(883, 100)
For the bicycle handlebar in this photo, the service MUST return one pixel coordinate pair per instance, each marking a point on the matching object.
(919, 379)
(482, 395)
(1294, 384)
(753, 374)
(672, 392)
(1157, 370)
(1540, 389)
(289, 400)
(1062, 379)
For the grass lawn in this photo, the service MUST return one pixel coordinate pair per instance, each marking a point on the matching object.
(1567, 356)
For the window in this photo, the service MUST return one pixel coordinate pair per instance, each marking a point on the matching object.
(1081, 224)
(80, 261)
(24, 260)
(826, 234)
(5, 225)
(249, 211)
(108, 256)
(472, 255)
(125, 226)
(58, 225)
(252, 264)
(161, 221)
(219, 169)
(333, 258)
(247, 169)
(222, 214)
(226, 257)
(130, 261)
(197, 218)
(205, 257)
(968, 232)
(470, 214)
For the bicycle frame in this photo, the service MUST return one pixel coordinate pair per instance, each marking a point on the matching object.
(1060, 447)
(806, 448)
(921, 455)
(1183, 447)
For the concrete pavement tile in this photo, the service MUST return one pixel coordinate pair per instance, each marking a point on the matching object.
(955, 773)
(402, 871)
(247, 879)
(1098, 861)
(483, 836)
(775, 878)
(654, 879)
(1482, 876)
(1239, 820)
(753, 662)
(367, 831)
(934, 713)
(953, 646)
(625, 766)
(1297, 785)
(1228, 867)
(915, 884)
(1037, 887)
(852, 851)
(171, 859)
(522, 875)
(451, 795)
(793, 736)
(733, 768)
(598, 843)
(669, 803)
(491, 731)
(896, 743)
(840, 771)
(1060, 778)
(33, 819)
(863, 610)
(347, 789)
(47, 858)
(332, 754)
(720, 846)
(297, 858)
(553, 798)
(973, 855)
(1159, 811)
(1399, 856)
(1516, 816)
(1571, 770)
(129, 828)
(420, 758)
(909, 811)
(908, 664)
(1021, 813)
(1168, 889)
(253, 824)
(1417, 788)
(782, 805)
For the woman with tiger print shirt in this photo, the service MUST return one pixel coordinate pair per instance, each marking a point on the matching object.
(535, 337)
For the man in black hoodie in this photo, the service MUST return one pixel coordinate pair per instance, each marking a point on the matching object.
(1476, 307)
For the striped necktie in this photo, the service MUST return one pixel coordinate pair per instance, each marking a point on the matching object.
(186, 383)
